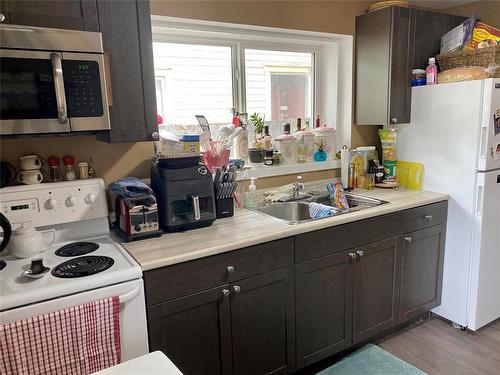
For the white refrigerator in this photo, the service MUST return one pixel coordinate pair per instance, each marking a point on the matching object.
(455, 132)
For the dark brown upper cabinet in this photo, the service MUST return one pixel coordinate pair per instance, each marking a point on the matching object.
(128, 47)
(390, 43)
(128, 43)
(59, 14)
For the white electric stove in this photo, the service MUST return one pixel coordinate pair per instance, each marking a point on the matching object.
(85, 262)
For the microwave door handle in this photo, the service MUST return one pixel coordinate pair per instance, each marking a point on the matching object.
(196, 207)
(62, 110)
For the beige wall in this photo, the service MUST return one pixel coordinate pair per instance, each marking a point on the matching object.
(487, 11)
(113, 161)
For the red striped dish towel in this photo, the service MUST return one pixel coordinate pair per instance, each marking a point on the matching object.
(77, 340)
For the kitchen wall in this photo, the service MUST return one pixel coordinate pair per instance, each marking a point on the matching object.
(113, 161)
(487, 11)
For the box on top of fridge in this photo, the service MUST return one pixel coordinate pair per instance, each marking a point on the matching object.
(484, 36)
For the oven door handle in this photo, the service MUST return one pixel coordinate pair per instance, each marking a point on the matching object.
(62, 109)
(130, 295)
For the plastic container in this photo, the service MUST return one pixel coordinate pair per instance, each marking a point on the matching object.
(328, 136)
(251, 197)
(368, 153)
(305, 149)
(287, 147)
(191, 143)
(418, 77)
(431, 72)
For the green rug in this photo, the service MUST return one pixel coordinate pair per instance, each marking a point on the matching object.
(371, 360)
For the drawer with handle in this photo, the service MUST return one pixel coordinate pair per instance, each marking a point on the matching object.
(177, 280)
(425, 216)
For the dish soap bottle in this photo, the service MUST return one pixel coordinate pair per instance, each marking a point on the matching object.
(431, 72)
(251, 198)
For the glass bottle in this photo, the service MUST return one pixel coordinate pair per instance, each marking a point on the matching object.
(268, 145)
(69, 168)
(54, 169)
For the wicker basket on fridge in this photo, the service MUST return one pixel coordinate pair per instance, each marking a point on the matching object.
(478, 57)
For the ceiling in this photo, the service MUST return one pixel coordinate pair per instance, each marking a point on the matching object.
(440, 4)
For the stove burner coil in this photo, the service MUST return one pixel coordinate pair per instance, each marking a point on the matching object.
(77, 248)
(82, 266)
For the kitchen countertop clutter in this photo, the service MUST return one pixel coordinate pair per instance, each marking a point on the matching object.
(248, 228)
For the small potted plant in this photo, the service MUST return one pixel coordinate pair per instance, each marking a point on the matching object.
(256, 153)
(320, 154)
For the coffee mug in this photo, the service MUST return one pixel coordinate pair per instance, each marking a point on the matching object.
(30, 162)
(30, 177)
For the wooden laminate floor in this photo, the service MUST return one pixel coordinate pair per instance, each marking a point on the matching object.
(437, 348)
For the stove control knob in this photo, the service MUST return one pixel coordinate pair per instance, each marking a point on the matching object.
(51, 203)
(90, 198)
(70, 201)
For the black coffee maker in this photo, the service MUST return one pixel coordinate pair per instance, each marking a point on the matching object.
(184, 194)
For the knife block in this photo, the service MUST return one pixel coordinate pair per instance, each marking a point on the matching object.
(224, 207)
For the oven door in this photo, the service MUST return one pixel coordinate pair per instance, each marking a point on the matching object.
(133, 327)
(51, 92)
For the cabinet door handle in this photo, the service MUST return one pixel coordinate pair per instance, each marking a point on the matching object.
(2, 17)
(360, 253)
(428, 217)
(236, 288)
(408, 239)
(353, 255)
(226, 292)
(230, 269)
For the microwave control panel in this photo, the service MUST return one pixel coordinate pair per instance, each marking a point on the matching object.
(82, 85)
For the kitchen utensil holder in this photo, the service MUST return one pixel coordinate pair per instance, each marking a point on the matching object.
(224, 207)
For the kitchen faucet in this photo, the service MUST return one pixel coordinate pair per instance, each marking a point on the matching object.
(297, 187)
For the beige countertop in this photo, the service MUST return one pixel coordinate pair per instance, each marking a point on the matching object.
(247, 228)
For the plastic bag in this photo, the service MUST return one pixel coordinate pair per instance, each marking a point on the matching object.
(388, 138)
(467, 73)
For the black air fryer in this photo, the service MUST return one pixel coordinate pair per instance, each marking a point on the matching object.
(185, 196)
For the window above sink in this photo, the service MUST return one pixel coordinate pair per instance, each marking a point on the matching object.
(204, 67)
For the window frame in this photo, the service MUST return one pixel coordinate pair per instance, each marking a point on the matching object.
(238, 60)
(333, 72)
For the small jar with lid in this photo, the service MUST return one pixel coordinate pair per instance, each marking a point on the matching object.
(287, 147)
(54, 169)
(269, 158)
(305, 150)
(69, 168)
(83, 170)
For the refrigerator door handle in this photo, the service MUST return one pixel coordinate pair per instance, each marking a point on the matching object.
(484, 142)
(479, 200)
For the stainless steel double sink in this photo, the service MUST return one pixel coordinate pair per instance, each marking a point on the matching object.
(297, 212)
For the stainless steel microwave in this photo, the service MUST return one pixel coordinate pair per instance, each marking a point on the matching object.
(51, 81)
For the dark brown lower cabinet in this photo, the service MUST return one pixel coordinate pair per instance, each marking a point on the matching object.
(194, 331)
(376, 289)
(323, 290)
(421, 271)
(262, 323)
(260, 313)
(246, 327)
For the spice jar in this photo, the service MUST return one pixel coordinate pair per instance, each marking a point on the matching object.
(83, 170)
(54, 169)
(69, 168)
